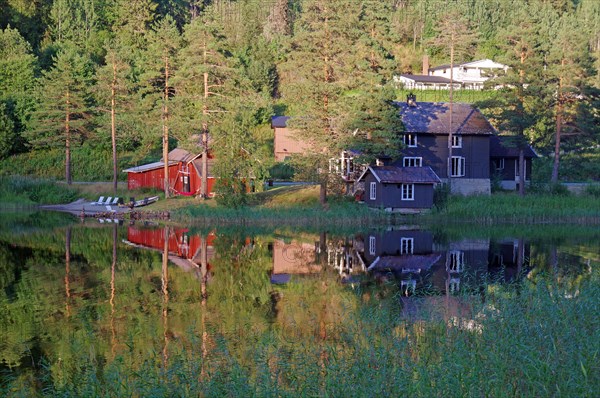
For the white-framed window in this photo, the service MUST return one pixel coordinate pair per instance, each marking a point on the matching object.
(456, 141)
(372, 245)
(454, 285)
(499, 164)
(408, 191)
(373, 191)
(456, 261)
(517, 170)
(410, 140)
(458, 166)
(412, 161)
(406, 245)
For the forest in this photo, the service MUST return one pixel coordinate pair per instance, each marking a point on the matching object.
(90, 87)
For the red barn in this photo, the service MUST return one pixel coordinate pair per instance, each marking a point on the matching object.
(185, 173)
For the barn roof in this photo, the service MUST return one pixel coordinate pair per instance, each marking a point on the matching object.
(506, 147)
(176, 156)
(402, 175)
(434, 118)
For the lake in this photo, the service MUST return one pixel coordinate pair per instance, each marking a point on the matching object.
(99, 308)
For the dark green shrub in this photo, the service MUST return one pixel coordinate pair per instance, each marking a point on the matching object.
(231, 192)
(593, 190)
(441, 195)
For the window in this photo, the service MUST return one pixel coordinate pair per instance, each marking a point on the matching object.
(458, 166)
(456, 141)
(372, 245)
(454, 285)
(517, 170)
(406, 245)
(455, 261)
(408, 191)
(410, 140)
(373, 191)
(499, 164)
(412, 162)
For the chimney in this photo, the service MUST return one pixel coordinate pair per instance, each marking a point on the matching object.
(383, 160)
(426, 65)
(411, 100)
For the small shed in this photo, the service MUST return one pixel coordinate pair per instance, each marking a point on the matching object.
(405, 189)
(185, 173)
(504, 161)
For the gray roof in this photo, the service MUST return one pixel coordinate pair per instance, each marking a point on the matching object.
(434, 118)
(506, 147)
(175, 156)
(406, 263)
(428, 79)
(148, 167)
(403, 175)
(279, 121)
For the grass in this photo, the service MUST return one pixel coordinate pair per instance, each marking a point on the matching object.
(20, 192)
(533, 339)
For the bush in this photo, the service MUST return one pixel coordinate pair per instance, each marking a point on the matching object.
(441, 194)
(593, 190)
(231, 192)
(23, 190)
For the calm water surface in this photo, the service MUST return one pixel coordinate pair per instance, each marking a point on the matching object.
(104, 292)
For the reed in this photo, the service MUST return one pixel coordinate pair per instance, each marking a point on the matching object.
(532, 339)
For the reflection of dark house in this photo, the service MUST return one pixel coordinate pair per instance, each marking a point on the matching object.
(294, 258)
(427, 127)
(504, 161)
(185, 173)
(507, 259)
(399, 188)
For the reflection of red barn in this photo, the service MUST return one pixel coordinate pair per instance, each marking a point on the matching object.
(185, 173)
(180, 242)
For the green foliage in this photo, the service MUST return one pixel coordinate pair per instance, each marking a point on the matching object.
(593, 190)
(28, 191)
(231, 192)
(441, 196)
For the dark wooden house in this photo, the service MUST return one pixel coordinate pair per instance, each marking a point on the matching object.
(426, 142)
(504, 161)
(185, 173)
(393, 188)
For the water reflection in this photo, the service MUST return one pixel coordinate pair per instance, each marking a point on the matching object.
(123, 291)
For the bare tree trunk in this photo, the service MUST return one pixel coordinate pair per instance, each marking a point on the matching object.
(166, 129)
(113, 333)
(559, 123)
(204, 182)
(165, 292)
(68, 141)
(451, 97)
(521, 166)
(113, 128)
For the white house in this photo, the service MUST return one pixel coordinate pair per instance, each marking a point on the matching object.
(424, 82)
(471, 75)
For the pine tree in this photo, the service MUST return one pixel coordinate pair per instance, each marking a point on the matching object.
(569, 71)
(318, 71)
(18, 67)
(113, 92)
(64, 104)
(161, 67)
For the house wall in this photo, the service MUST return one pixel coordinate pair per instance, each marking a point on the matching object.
(389, 243)
(151, 178)
(434, 151)
(286, 144)
(390, 195)
(507, 175)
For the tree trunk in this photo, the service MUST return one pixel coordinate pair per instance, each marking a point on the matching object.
(521, 171)
(323, 193)
(68, 141)
(451, 97)
(166, 129)
(204, 182)
(559, 110)
(113, 128)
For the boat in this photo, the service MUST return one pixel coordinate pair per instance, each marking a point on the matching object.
(145, 201)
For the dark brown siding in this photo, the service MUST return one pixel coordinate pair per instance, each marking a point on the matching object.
(434, 151)
(390, 195)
